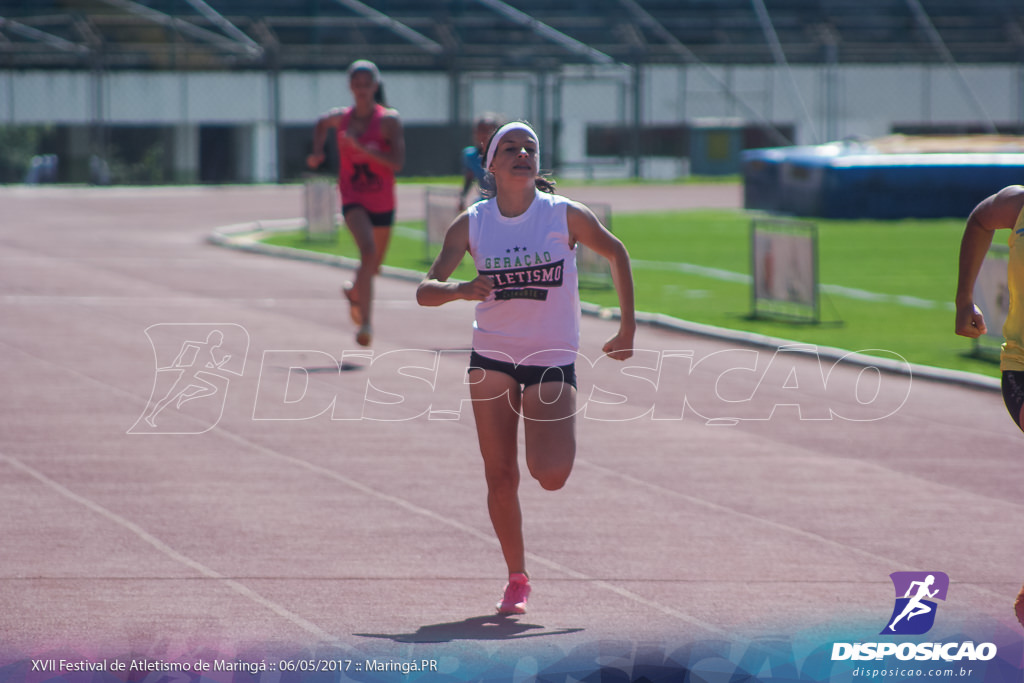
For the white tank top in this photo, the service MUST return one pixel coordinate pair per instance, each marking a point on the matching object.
(533, 315)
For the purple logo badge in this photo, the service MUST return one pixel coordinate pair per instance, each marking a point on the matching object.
(916, 592)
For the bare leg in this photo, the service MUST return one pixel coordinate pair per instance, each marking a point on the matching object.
(496, 403)
(1018, 607)
(381, 238)
(358, 222)
(549, 412)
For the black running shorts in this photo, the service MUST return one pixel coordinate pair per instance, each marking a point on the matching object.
(1013, 393)
(526, 375)
(378, 219)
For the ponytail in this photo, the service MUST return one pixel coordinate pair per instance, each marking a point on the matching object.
(545, 183)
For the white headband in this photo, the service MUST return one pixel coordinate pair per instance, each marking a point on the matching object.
(364, 65)
(505, 130)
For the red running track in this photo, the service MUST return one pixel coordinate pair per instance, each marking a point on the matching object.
(278, 528)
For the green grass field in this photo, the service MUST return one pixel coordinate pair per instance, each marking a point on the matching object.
(915, 258)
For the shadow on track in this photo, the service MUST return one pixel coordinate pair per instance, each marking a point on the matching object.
(490, 627)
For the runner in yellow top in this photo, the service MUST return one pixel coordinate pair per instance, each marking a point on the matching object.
(1005, 209)
(1001, 210)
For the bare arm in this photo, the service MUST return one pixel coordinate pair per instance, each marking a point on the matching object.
(585, 229)
(467, 182)
(331, 119)
(435, 289)
(993, 213)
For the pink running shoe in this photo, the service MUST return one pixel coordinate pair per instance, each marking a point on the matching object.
(516, 592)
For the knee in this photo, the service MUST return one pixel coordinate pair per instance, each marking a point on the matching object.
(551, 464)
(553, 482)
(551, 478)
(503, 483)
(368, 254)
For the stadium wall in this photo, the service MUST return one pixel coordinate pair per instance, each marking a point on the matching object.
(187, 111)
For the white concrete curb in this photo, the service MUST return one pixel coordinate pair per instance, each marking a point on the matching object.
(247, 236)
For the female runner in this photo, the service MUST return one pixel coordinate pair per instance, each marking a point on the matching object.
(1003, 210)
(526, 331)
(371, 148)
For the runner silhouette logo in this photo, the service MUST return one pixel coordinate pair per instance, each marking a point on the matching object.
(916, 593)
(194, 366)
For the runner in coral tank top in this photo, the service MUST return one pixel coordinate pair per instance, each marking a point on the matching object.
(371, 148)
(362, 179)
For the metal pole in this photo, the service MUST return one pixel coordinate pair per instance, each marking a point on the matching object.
(56, 42)
(926, 23)
(98, 135)
(556, 119)
(780, 59)
(215, 18)
(545, 31)
(274, 75)
(185, 27)
(542, 104)
(454, 95)
(396, 27)
(831, 90)
(637, 119)
(643, 17)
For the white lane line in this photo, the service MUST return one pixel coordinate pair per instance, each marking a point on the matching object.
(486, 537)
(796, 531)
(170, 552)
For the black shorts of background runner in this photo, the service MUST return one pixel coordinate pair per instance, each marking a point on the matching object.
(526, 375)
(378, 219)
